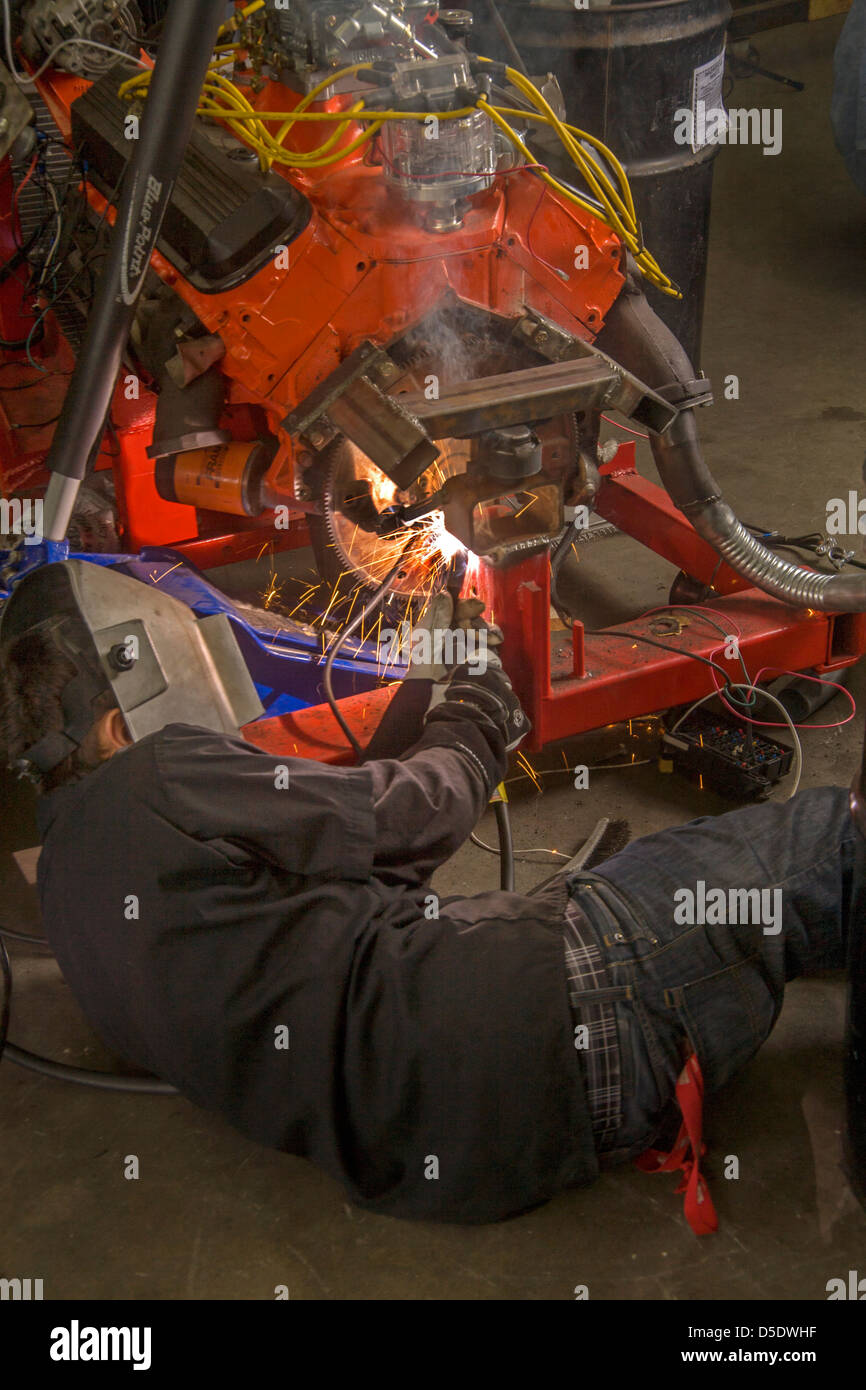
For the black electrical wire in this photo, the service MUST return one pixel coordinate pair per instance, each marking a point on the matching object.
(6, 969)
(664, 646)
(809, 542)
(506, 846)
(82, 1076)
(35, 424)
(20, 255)
(24, 937)
(337, 646)
(26, 385)
(59, 1071)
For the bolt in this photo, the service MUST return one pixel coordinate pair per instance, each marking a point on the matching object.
(542, 336)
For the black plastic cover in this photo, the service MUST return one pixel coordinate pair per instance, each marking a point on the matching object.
(224, 220)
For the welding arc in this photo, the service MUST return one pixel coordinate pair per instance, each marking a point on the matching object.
(343, 548)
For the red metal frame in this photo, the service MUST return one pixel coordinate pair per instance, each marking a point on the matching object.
(363, 268)
(571, 683)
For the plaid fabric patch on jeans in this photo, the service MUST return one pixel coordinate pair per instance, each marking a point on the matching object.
(585, 971)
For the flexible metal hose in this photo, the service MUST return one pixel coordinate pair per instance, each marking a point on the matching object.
(636, 338)
(685, 474)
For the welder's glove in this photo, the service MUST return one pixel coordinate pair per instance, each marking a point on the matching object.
(489, 695)
(448, 635)
(427, 684)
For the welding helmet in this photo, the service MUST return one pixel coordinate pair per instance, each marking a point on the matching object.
(855, 1042)
(162, 664)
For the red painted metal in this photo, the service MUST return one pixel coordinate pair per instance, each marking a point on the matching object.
(314, 733)
(642, 510)
(570, 683)
(364, 268)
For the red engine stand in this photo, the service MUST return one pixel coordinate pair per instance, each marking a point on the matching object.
(580, 681)
(587, 681)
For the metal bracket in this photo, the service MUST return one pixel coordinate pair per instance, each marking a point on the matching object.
(351, 401)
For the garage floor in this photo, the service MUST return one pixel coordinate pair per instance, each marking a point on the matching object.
(212, 1216)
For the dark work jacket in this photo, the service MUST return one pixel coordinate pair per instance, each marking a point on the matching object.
(204, 916)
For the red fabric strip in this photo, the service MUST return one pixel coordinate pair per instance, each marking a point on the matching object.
(687, 1152)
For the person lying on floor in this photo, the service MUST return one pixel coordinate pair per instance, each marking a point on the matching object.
(261, 932)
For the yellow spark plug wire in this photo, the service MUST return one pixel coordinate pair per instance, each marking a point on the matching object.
(610, 201)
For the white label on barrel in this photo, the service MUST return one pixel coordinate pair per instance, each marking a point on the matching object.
(708, 110)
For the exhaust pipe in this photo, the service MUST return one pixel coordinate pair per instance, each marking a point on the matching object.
(636, 338)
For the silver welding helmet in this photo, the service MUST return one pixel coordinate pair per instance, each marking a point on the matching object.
(163, 664)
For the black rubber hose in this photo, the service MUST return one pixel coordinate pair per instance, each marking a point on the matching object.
(82, 1076)
(506, 846)
(24, 937)
(337, 646)
(59, 1071)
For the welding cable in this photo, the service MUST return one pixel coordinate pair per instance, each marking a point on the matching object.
(336, 647)
(25, 938)
(59, 1071)
(665, 647)
(506, 846)
(83, 1076)
(6, 970)
(557, 557)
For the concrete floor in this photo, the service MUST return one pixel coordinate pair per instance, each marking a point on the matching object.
(213, 1216)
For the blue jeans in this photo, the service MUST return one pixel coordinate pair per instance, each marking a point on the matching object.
(714, 988)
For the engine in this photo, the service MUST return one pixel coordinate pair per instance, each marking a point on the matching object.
(369, 302)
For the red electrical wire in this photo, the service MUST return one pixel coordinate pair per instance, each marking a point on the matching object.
(640, 434)
(781, 671)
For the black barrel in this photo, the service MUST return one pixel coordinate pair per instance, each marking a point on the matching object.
(625, 71)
